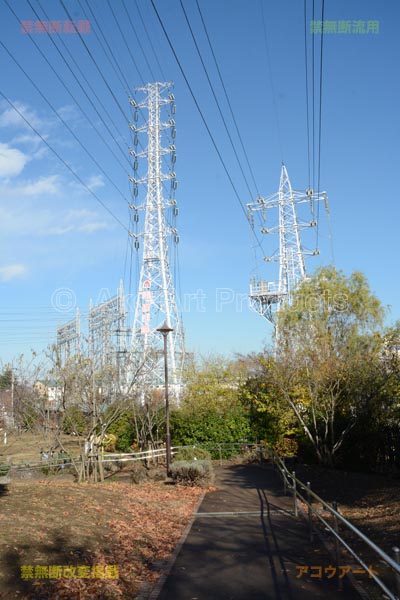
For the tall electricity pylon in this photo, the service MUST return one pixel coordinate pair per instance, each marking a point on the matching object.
(268, 297)
(156, 301)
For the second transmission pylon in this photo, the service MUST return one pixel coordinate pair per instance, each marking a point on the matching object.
(268, 297)
(156, 298)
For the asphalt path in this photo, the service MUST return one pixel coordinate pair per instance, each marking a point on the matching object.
(246, 544)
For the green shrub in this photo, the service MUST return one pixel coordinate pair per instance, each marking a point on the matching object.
(75, 420)
(123, 429)
(190, 454)
(4, 469)
(192, 473)
(210, 426)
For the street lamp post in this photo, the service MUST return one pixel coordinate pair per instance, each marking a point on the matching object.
(164, 330)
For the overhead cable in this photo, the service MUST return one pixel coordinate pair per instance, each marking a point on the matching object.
(74, 173)
(216, 99)
(204, 120)
(89, 154)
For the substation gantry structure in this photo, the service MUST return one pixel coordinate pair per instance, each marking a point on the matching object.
(105, 341)
(69, 339)
(268, 297)
(156, 303)
(108, 335)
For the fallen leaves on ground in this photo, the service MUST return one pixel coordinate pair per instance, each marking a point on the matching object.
(67, 524)
(369, 501)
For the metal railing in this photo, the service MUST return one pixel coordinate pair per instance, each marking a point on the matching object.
(306, 495)
(222, 448)
(108, 457)
(227, 449)
(300, 490)
(134, 456)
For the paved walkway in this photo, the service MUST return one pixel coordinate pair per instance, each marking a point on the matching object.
(249, 556)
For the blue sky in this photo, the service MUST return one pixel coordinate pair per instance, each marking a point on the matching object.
(55, 235)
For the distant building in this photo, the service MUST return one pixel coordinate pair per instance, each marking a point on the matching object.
(51, 391)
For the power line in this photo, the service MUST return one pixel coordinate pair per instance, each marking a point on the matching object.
(313, 96)
(122, 77)
(63, 121)
(125, 42)
(307, 99)
(148, 38)
(275, 105)
(138, 41)
(127, 90)
(216, 99)
(64, 162)
(95, 64)
(117, 69)
(227, 99)
(62, 82)
(82, 88)
(316, 119)
(320, 109)
(204, 121)
(128, 48)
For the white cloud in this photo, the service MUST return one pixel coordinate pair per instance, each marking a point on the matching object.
(58, 230)
(41, 153)
(69, 112)
(44, 186)
(31, 139)
(9, 117)
(95, 182)
(93, 227)
(89, 227)
(12, 161)
(84, 221)
(73, 221)
(49, 220)
(11, 272)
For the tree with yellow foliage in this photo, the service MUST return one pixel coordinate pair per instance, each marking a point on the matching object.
(334, 359)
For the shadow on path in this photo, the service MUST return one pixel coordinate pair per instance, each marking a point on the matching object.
(249, 556)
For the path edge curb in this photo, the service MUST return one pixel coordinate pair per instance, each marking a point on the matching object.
(157, 588)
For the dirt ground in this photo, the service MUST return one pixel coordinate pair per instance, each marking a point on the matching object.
(371, 502)
(63, 540)
(26, 447)
(54, 522)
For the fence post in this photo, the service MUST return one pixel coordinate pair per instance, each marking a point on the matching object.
(220, 454)
(309, 500)
(284, 476)
(294, 493)
(337, 545)
(396, 552)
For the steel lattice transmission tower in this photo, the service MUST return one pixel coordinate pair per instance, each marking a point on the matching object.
(68, 339)
(156, 300)
(268, 297)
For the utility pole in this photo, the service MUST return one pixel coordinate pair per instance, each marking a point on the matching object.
(12, 396)
(165, 329)
(156, 298)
